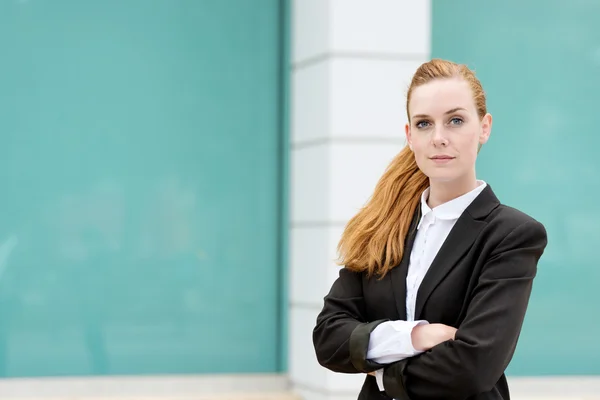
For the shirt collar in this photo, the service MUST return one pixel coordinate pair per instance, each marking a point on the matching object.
(451, 209)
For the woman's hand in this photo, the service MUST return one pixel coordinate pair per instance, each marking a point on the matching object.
(424, 337)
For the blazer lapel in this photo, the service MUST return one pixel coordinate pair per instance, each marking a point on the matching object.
(398, 274)
(461, 238)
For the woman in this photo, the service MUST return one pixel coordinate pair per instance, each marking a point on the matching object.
(437, 272)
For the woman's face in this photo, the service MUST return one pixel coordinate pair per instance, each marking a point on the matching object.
(445, 131)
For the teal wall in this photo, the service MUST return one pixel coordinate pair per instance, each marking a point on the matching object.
(141, 175)
(539, 62)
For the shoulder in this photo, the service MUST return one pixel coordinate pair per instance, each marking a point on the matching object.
(507, 225)
(499, 219)
(509, 218)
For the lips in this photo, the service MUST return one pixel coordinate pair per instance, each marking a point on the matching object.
(441, 159)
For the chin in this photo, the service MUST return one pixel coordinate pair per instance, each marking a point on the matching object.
(442, 178)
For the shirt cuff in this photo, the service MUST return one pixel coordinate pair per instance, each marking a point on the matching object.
(391, 341)
(379, 379)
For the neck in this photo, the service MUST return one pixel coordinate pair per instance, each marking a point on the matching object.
(443, 192)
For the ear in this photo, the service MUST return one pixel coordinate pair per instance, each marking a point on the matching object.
(408, 136)
(486, 129)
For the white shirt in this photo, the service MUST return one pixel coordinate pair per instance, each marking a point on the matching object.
(391, 341)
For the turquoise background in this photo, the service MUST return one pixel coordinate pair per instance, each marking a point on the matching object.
(141, 169)
(143, 164)
(539, 63)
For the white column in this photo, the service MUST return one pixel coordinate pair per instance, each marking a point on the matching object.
(352, 61)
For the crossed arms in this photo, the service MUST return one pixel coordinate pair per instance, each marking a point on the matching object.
(484, 342)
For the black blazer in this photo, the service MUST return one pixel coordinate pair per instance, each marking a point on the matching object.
(479, 282)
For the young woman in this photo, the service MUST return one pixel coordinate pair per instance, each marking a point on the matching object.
(437, 272)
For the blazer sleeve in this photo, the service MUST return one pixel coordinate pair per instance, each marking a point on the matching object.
(485, 341)
(341, 335)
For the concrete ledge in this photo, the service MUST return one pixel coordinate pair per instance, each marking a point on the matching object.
(555, 388)
(243, 386)
(545, 397)
(235, 396)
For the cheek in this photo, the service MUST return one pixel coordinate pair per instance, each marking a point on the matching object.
(419, 151)
(421, 157)
(468, 143)
(468, 151)
(420, 144)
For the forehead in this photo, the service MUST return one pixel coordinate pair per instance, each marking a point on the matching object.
(441, 95)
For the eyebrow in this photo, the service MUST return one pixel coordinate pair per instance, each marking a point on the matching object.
(446, 113)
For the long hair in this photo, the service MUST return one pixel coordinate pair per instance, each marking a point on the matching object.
(373, 240)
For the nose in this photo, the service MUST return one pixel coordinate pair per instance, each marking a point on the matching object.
(438, 137)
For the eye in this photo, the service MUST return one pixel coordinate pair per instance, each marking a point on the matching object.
(422, 124)
(456, 121)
